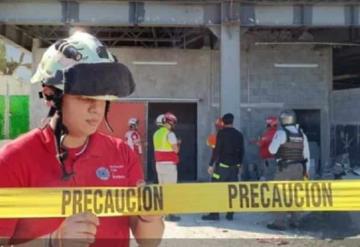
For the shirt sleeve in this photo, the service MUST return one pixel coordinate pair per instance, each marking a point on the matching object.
(306, 153)
(279, 139)
(172, 138)
(135, 171)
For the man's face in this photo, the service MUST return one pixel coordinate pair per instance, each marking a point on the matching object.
(82, 116)
(169, 126)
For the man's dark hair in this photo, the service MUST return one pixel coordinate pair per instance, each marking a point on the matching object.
(228, 118)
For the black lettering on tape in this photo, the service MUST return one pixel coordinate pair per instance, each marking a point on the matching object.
(139, 198)
(77, 199)
(307, 194)
(66, 200)
(120, 200)
(232, 194)
(254, 195)
(130, 204)
(276, 200)
(263, 188)
(316, 194)
(288, 195)
(147, 199)
(244, 196)
(109, 202)
(87, 200)
(299, 200)
(158, 198)
(327, 194)
(98, 207)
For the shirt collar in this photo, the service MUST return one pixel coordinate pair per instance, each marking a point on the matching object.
(48, 139)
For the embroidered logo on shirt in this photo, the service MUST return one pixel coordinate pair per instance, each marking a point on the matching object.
(103, 173)
(117, 171)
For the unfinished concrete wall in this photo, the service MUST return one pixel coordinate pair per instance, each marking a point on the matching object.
(192, 77)
(195, 76)
(266, 88)
(345, 108)
(269, 84)
(345, 128)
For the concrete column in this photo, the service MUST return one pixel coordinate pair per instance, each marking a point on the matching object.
(35, 46)
(34, 102)
(230, 70)
(326, 119)
(325, 140)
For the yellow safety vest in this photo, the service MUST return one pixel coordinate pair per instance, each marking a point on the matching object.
(163, 149)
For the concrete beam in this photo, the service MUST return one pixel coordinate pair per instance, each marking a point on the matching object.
(109, 13)
(171, 13)
(34, 12)
(293, 15)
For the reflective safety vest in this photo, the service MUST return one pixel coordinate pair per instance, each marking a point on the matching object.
(163, 148)
(211, 141)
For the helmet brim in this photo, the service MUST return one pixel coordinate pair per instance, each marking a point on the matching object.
(106, 81)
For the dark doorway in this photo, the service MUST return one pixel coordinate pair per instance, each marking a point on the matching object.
(309, 121)
(346, 73)
(185, 130)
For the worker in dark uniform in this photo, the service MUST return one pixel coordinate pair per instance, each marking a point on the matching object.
(228, 153)
(291, 149)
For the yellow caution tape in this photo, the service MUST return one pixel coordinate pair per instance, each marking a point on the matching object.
(181, 198)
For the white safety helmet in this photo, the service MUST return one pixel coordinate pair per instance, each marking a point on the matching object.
(160, 120)
(82, 65)
(133, 122)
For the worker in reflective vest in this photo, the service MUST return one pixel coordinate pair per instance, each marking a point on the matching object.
(167, 146)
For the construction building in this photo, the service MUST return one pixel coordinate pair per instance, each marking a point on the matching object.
(201, 59)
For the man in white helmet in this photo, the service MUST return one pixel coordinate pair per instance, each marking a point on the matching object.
(79, 78)
(167, 147)
(132, 136)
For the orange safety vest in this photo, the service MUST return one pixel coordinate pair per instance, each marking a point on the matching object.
(211, 141)
(163, 149)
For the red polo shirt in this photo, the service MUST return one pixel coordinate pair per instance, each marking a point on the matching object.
(264, 143)
(30, 161)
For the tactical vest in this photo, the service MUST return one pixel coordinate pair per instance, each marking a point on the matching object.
(293, 148)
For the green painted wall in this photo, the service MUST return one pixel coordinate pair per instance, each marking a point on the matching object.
(19, 115)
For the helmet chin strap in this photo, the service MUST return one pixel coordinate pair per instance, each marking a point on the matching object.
(60, 130)
(60, 133)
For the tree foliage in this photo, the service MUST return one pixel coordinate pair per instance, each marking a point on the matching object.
(8, 67)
